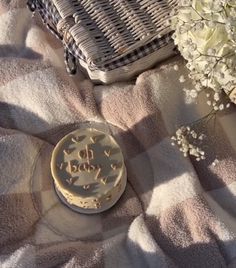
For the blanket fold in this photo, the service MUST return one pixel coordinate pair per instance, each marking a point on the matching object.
(175, 212)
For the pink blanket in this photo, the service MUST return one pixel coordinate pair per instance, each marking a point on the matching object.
(175, 212)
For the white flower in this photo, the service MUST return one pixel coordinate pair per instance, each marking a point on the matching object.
(184, 138)
(193, 93)
(176, 67)
(216, 96)
(221, 107)
(182, 79)
(215, 162)
(205, 32)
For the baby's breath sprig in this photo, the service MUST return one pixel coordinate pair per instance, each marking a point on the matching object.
(189, 140)
(185, 138)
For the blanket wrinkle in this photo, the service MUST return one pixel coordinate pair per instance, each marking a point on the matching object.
(175, 212)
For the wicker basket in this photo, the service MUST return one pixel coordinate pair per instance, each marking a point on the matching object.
(111, 39)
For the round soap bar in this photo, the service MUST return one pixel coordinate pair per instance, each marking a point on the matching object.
(88, 170)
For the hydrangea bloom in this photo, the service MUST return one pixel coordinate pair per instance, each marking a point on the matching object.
(205, 32)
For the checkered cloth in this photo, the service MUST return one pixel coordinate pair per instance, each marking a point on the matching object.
(73, 54)
(175, 212)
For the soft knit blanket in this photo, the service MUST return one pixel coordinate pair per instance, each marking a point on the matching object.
(175, 212)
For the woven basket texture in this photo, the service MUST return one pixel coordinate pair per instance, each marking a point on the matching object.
(107, 34)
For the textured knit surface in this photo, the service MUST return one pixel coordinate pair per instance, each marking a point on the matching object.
(174, 213)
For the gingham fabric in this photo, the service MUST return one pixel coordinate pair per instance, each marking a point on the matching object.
(51, 17)
(138, 53)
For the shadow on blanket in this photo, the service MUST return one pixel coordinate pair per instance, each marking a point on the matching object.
(7, 115)
(208, 254)
(141, 175)
(14, 52)
(135, 199)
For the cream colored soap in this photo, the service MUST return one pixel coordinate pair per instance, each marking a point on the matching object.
(88, 170)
